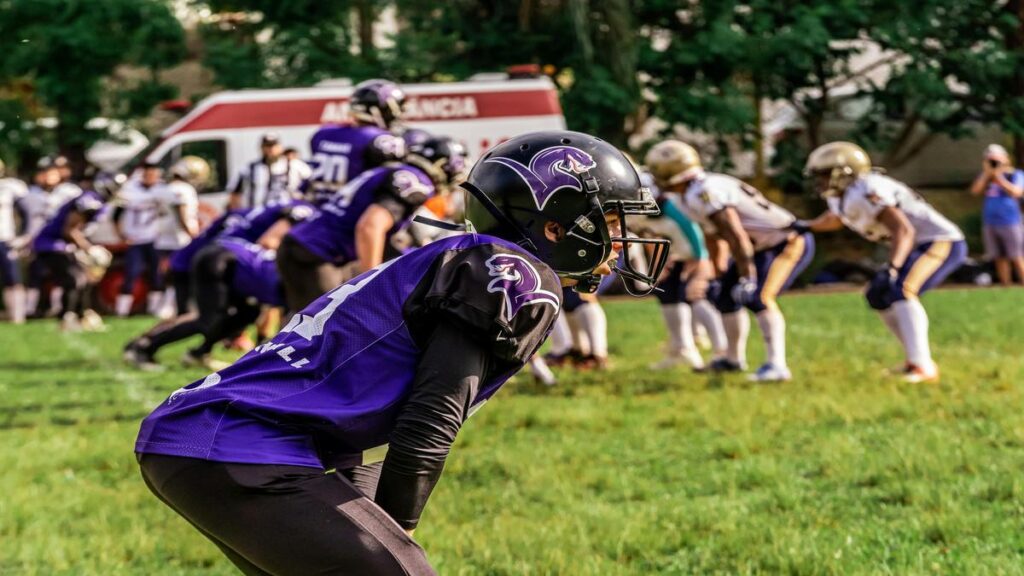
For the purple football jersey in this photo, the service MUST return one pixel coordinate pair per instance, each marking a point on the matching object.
(340, 153)
(245, 224)
(51, 236)
(331, 234)
(329, 386)
(255, 273)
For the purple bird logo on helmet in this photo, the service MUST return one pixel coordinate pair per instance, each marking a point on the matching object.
(550, 170)
(519, 281)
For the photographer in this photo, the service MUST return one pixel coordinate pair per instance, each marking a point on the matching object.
(1002, 230)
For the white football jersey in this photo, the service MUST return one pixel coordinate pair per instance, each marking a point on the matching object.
(39, 205)
(863, 200)
(11, 191)
(172, 236)
(142, 210)
(766, 223)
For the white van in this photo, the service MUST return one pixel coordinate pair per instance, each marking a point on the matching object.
(226, 128)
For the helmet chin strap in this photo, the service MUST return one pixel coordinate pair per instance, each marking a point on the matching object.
(492, 208)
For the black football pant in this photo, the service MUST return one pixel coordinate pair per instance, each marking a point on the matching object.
(69, 275)
(305, 275)
(283, 520)
(222, 312)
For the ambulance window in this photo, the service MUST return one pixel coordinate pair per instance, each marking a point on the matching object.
(215, 153)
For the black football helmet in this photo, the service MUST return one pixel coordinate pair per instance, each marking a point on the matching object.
(377, 102)
(570, 178)
(442, 158)
(414, 136)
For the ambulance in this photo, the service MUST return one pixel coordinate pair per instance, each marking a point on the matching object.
(225, 128)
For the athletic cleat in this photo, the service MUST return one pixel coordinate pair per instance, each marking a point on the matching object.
(140, 359)
(92, 322)
(591, 362)
(69, 323)
(726, 365)
(917, 375)
(558, 360)
(771, 373)
(206, 361)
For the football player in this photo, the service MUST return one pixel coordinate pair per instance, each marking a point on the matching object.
(137, 210)
(684, 286)
(12, 191)
(924, 246)
(64, 253)
(342, 152)
(47, 193)
(397, 357)
(179, 224)
(353, 227)
(264, 226)
(767, 253)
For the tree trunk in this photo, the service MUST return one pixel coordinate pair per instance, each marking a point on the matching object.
(1015, 43)
(367, 16)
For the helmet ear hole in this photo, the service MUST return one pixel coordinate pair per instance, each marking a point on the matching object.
(566, 141)
(524, 147)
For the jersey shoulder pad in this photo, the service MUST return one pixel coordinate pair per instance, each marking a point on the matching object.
(507, 296)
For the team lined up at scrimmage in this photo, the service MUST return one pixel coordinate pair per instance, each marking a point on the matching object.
(317, 450)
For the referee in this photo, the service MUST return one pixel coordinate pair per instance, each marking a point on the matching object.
(272, 179)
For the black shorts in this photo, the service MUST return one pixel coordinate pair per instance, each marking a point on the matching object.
(305, 275)
(271, 519)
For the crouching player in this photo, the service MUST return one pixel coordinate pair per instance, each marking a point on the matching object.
(767, 253)
(924, 247)
(398, 358)
(350, 234)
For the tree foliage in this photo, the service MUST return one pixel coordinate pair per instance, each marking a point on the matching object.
(69, 58)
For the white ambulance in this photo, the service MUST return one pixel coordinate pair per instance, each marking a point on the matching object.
(226, 128)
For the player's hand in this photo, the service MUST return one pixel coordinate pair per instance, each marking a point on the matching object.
(744, 292)
(882, 288)
(800, 226)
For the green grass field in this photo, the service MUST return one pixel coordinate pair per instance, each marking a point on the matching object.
(626, 472)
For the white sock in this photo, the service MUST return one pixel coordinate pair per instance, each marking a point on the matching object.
(737, 328)
(892, 323)
(55, 299)
(31, 299)
(541, 371)
(561, 336)
(595, 324)
(580, 341)
(679, 323)
(913, 321)
(169, 306)
(153, 301)
(14, 302)
(123, 304)
(773, 330)
(705, 314)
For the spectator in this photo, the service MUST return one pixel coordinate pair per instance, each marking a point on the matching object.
(271, 179)
(1003, 232)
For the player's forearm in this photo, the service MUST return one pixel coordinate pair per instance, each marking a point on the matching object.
(445, 387)
(826, 222)
(901, 246)
(371, 236)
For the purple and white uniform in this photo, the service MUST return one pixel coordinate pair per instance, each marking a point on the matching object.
(255, 271)
(330, 235)
(51, 236)
(328, 388)
(340, 153)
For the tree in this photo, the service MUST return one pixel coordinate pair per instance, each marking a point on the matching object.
(76, 59)
(268, 43)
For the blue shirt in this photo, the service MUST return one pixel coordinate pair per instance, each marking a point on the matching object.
(1001, 209)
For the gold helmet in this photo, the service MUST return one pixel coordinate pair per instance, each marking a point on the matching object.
(672, 162)
(192, 169)
(836, 165)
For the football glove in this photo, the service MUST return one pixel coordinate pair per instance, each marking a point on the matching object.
(744, 292)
